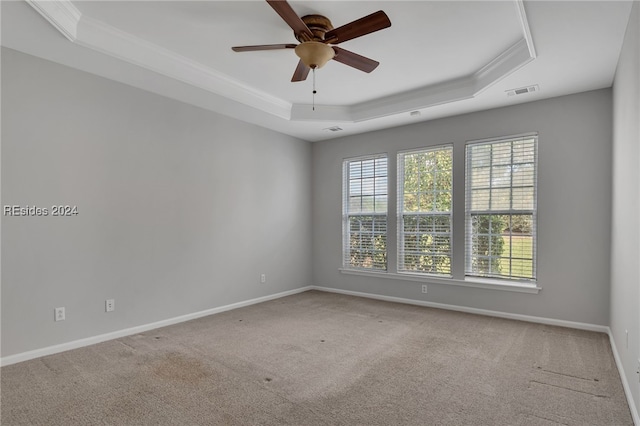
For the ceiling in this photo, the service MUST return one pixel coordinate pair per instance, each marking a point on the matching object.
(437, 59)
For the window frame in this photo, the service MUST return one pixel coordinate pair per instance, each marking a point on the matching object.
(459, 277)
(346, 214)
(469, 212)
(400, 213)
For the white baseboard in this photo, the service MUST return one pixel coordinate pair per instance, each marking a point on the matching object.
(25, 356)
(507, 315)
(625, 382)
(37, 353)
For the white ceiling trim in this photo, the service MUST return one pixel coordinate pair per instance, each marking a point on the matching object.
(524, 23)
(467, 87)
(63, 15)
(104, 38)
(99, 36)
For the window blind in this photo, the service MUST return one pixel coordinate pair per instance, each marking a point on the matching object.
(500, 210)
(425, 184)
(365, 213)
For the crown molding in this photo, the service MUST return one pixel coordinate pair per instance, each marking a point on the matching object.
(506, 63)
(104, 38)
(62, 14)
(99, 36)
(524, 23)
(423, 97)
(428, 96)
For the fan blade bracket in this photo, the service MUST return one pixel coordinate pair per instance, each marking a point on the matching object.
(331, 40)
(366, 25)
(292, 19)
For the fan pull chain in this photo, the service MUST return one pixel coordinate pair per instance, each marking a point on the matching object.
(314, 89)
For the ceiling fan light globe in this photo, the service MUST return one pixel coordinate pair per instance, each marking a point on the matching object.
(314, 54)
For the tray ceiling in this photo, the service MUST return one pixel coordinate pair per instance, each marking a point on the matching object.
(438, 58)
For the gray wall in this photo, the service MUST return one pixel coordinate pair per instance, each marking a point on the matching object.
(625, 234)
(180, 209)
(573, 205)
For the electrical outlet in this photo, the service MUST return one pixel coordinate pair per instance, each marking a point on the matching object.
(59, 314)
(638, 370)
(263, 278)
(110, 305)
(626, 339)
(424, 288)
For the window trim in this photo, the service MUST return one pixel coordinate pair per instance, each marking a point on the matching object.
(345, 212)
(400, 213)
(472, 282)
(459, 278)
(534, 210)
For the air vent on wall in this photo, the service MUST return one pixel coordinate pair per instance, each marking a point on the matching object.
(523, 90)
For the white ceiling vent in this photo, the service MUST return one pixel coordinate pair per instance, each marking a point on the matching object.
(334, 129)
(523, 90)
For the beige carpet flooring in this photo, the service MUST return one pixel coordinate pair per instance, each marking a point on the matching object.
(326, 359)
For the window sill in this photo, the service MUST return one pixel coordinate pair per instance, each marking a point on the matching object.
(469, 282)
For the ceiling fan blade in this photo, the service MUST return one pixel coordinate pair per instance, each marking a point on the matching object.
(263, 47)
(301, 72)
(354, 60)
(291, 18)
(367, 25)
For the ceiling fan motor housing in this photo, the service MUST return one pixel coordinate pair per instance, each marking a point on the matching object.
(315, 53)
(318, 25)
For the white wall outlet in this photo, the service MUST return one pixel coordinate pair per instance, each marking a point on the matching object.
(626, 339)
(59, 314)
(110, 305)
(638, 370)
(424, 288)
(263, 278)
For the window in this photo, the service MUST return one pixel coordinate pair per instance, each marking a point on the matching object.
(364, 217)
(425, 184)
(501, 208)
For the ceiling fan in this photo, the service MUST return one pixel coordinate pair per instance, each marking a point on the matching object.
(317, 38)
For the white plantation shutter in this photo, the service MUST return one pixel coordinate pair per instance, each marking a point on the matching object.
(364, 213)
(500, 220)
(425, 185)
